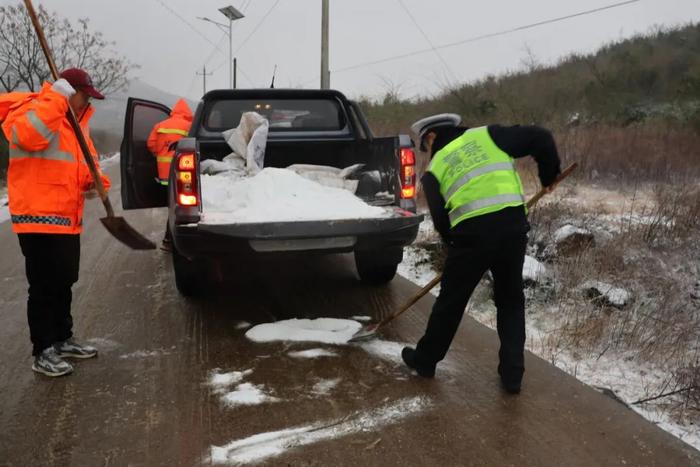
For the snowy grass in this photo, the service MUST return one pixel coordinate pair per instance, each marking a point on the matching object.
(645, 251)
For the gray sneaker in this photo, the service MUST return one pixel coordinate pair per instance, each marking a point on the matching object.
(71, 349)
(49, 363)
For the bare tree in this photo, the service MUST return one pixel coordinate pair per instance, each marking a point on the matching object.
(22, 63)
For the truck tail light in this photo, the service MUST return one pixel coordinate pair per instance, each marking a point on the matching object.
(408, 173)
(186, 180)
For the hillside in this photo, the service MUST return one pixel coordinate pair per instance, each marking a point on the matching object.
(107, 125)
(651, 76)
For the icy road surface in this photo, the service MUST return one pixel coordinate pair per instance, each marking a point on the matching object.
(178, 383)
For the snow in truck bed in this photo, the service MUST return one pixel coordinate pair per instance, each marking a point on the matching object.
(278, 195)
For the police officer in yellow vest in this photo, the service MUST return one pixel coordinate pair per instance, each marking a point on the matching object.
(477, 204)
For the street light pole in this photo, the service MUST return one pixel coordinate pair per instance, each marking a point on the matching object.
(230, 54)
(232, 14)
(325, 71)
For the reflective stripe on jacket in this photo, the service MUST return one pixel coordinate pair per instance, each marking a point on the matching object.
(476, 177)
(47, 175)
(166, 133)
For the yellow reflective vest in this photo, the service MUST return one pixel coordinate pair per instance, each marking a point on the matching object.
(476, 177)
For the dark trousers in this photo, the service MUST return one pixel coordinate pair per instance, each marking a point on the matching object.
(504, 255)
(52, 263)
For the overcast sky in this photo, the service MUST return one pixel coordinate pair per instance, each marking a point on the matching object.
(170, 44)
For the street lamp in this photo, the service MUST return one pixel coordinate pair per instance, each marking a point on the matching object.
(232, 14)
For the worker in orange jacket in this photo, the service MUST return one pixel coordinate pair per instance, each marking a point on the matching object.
(160, 141)
(47, 183)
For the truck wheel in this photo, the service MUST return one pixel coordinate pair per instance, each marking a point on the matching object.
(189, 275)
(377, 267)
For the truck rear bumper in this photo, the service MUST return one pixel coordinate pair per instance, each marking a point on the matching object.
(212, 240)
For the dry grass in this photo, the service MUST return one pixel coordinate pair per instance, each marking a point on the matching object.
(653, 253)
(634, 154)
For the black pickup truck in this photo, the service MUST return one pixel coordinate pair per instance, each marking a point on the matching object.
(316, 127)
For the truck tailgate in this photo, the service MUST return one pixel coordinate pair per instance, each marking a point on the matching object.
(399, 219)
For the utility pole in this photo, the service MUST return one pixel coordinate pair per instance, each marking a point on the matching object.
(325, 71)
(235, 70)
(204, 75)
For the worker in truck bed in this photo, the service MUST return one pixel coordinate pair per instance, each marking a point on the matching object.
(160, 143)
(476, 200)
(47, 182)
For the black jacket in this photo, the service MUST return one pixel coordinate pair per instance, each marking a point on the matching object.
(517, 141)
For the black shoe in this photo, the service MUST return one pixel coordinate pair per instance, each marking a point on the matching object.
(510, 384)
(409, 358)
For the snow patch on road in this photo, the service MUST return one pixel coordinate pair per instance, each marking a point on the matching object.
(325, 386)
(312, 353)
(223, 380)
(259, 447)
(323, 330)
(243, 325)
(145, 354)
(247, 394)
(243, 394)
(103, 344)
(386, 350)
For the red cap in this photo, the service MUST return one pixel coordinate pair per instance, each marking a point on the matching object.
(81, 81)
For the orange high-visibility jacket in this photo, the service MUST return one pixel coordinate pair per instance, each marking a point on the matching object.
(48, 174)
(166, 133)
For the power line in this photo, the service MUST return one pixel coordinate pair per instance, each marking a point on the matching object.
(190, 25)
(216, 68)
(217, 46)
(257, 26)
(430, 43)
(245, 75)
(486, 36)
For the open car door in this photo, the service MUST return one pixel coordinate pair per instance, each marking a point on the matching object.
(138, 166)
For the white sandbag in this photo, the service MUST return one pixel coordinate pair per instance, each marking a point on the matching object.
(328, 176)
(248, 140)
(232, 162)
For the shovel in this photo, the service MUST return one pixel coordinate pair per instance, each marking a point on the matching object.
(368, 331)
(117, 226)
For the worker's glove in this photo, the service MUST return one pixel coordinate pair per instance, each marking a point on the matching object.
(91, 194)
(63, 87)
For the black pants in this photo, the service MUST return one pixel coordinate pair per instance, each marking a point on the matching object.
(52, 263)
(504, 256)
